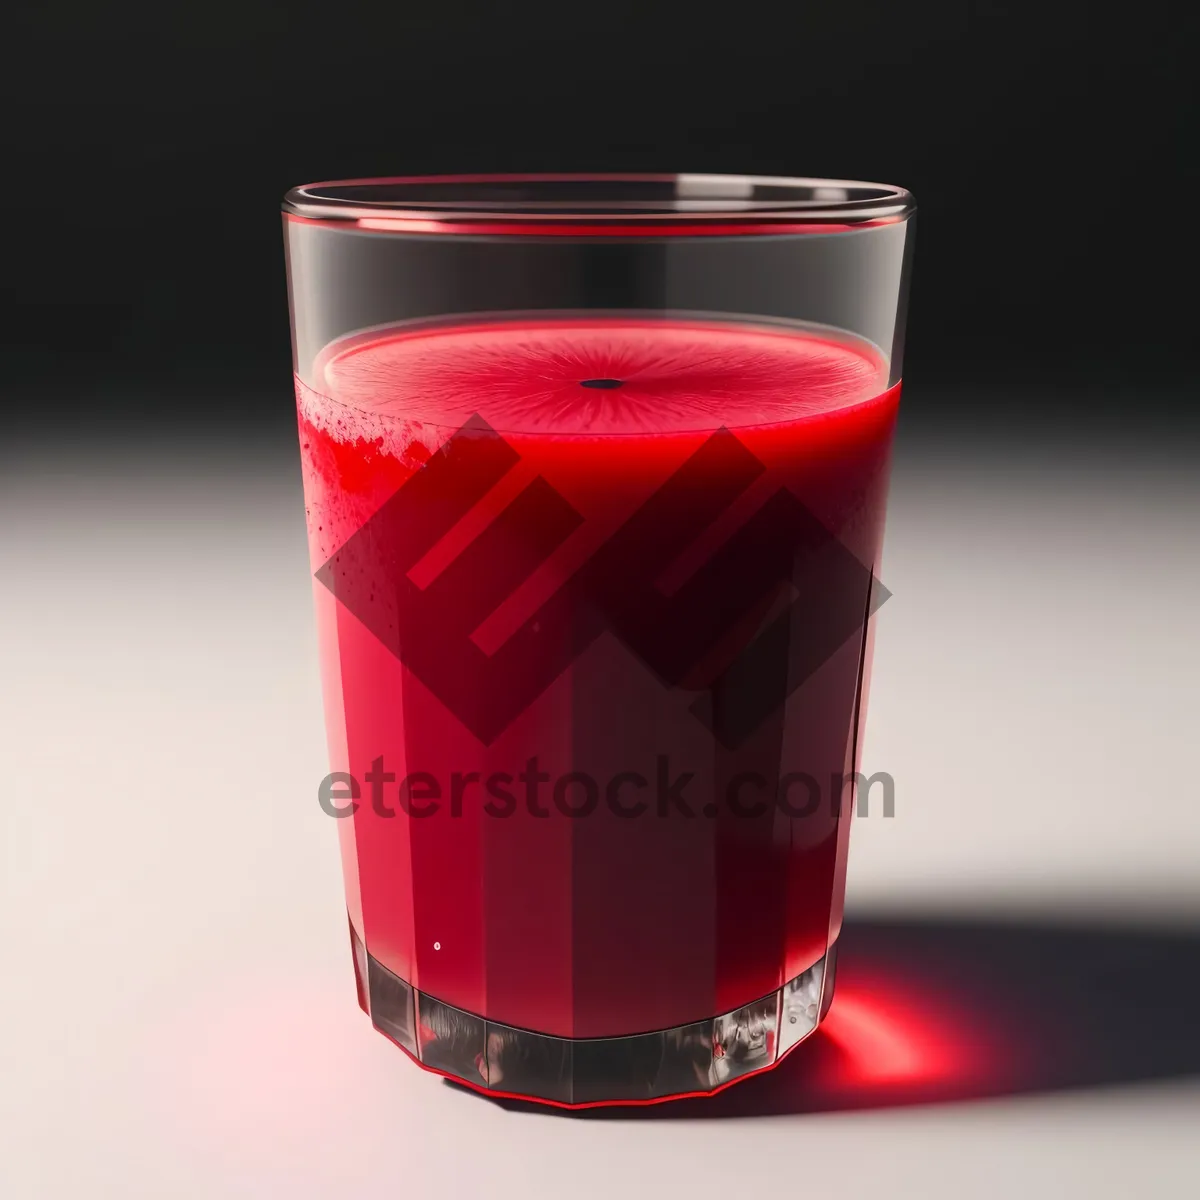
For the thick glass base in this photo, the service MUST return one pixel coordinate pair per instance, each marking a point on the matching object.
(688, 1060)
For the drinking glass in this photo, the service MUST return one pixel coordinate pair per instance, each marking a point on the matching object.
(595, 472)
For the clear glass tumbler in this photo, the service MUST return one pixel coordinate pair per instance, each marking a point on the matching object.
(595, 472)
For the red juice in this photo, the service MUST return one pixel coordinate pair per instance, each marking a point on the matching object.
(556, 910)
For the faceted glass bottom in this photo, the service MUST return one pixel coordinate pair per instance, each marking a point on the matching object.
(686, 1060)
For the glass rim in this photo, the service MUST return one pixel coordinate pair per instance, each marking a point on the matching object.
(583, 205)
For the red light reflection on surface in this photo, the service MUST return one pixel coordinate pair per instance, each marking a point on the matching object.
(892, 1036)
(877, 1044)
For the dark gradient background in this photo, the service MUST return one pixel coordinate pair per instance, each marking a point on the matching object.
(147, 148)
(1017, 997)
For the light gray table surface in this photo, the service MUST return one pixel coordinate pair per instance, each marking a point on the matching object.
(177, 1010)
